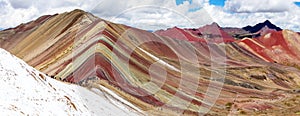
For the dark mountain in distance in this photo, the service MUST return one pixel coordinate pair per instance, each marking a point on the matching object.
(150, 30)
(215, 32)
(259, 26)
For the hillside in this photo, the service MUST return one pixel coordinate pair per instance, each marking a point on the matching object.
(169, 72)
(26, 91)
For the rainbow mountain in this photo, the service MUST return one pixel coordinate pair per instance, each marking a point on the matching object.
(167, 72)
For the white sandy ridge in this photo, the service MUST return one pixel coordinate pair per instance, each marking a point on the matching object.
(26, 91)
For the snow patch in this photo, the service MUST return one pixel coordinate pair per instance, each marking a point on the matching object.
(26, 91)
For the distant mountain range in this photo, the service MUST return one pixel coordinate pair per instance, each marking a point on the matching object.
(215, 33)
(260, 26)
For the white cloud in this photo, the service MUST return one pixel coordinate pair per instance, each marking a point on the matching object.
(259, 5)
(15, 12)
(10, 16)
(157, 14)
(151, 14)
(285, 20)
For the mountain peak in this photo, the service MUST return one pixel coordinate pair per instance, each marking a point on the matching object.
(259, 26)
(267, 22)
(214, 23)
(78, 10)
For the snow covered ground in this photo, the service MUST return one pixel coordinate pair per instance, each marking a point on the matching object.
(26, 91)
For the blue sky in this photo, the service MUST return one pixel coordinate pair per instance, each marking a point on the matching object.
(213, 2)
(178, 2)
(297, 3)
(217, 2)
